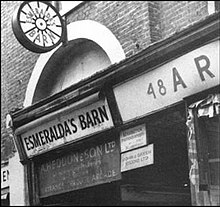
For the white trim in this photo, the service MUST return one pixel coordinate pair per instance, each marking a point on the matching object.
(66, 6)
(80, 29)
(211, 7)
(99, 34)
(18, 182)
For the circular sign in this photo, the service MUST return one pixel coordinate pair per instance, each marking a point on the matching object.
(38, 26)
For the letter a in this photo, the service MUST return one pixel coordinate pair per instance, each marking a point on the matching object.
(177, 80)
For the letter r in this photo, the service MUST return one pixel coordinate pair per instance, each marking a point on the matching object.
(204, 68)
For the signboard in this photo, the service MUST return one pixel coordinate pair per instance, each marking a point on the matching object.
(38, 26)
(67, 127)
(137, 158)
(170, 83)
(4, 177)
(86, 167)
(133, 138)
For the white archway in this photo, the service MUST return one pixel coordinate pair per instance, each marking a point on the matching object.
(87, 29)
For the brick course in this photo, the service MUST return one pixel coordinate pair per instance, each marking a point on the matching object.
(176, 15)
(17, 64)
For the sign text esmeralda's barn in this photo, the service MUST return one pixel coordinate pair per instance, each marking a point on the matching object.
(67, 127)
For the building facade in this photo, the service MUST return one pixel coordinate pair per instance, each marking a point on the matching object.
(125, 111)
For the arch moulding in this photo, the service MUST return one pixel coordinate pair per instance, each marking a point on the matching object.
(87, 29)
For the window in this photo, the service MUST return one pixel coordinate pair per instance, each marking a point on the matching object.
(166, 181)
(211, 133)
(207, 133)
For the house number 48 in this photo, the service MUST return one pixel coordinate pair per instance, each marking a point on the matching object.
(161, 88)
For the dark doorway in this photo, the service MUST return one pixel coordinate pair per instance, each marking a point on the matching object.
(166, 181)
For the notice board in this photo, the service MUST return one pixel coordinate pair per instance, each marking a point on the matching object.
(88, 166)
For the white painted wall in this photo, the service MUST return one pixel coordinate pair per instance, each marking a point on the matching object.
(17, 182)
(211, 7)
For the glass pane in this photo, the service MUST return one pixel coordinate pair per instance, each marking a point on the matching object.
(214, 172)
(213, 135)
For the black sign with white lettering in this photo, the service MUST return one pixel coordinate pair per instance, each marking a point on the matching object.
(89, 166)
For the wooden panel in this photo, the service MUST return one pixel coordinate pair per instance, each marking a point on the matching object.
(213, 132)
(88, 166)
(137, 193)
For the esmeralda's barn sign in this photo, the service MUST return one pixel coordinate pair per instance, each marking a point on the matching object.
(67, 127)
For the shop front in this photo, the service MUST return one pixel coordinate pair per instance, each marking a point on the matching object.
(63, 173)
(124, 136)
(76, 176)
(185, 168)
(203, 125)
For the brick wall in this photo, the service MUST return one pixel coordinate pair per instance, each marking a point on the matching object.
(136, 24)
(128, 21)
(176, 15)
(16, 66)
(155, 20)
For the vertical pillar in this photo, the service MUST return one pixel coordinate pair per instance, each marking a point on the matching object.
(18, 184)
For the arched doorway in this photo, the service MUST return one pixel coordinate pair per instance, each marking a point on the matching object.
(84, 33)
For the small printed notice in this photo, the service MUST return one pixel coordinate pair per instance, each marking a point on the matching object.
(133, 138)
(137, 158)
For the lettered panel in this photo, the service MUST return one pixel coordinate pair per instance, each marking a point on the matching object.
(89, 165)
(67, 127)
(191, 73)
